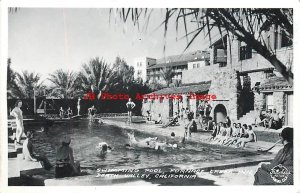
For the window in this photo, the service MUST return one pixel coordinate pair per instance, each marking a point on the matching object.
(198, 65)
(194, 65)
(220, 52)
(245, 52)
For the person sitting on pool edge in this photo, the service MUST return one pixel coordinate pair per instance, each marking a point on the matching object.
(174, 121)
(158, 121)
(65, 165)
(30, 155)
(250, 137)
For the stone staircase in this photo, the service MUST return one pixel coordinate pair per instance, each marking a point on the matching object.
(248, 118)
(16, 164)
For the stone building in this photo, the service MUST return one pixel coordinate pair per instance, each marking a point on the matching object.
(140, 67)
(242, 80)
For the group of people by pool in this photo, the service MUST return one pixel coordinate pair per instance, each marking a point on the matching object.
(223, 133)
(235, 134)
(270, 119)
(63, 113)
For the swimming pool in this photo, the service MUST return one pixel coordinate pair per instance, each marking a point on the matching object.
(85, 136)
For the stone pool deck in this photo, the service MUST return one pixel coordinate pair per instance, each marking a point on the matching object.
(238, 171)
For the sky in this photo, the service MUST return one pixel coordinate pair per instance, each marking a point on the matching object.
(43, 40)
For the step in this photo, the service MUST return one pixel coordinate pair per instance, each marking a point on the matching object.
(14, 150)
(36, 176)
(28, 165)
(13, 168)
(12, 153)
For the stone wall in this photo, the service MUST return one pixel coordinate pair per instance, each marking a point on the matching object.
(257, 77)
(278, 98)
(259, 101)
(278, 101)
(156, 107)
(223, 85)
(285, 55)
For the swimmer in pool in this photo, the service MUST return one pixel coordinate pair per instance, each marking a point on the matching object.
(149, 142)
(172, 142)
(104, 148)
(145, 143)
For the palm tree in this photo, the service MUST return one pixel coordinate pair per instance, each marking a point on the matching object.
(167, 74)
(65, 84)
(122, 76)
(26, 83)
(11, 80)
(95, 76)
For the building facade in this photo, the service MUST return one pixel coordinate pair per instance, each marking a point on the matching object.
(242, 80)
(153, 70)
(140, 67)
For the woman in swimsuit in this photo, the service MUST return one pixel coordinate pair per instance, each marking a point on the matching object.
(18, 114)
(251, 137)
(130, 106)
(65, 165)
(228, 134)
(234, 136)
(220, 133)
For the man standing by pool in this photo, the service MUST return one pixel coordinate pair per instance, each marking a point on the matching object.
(92, 112)
(130, 106)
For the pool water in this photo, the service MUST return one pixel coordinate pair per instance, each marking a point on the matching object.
(85, 136)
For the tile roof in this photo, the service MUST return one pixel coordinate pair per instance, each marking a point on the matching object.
(276, 83)
(201, 87)
(183, 59)
(162, 65)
